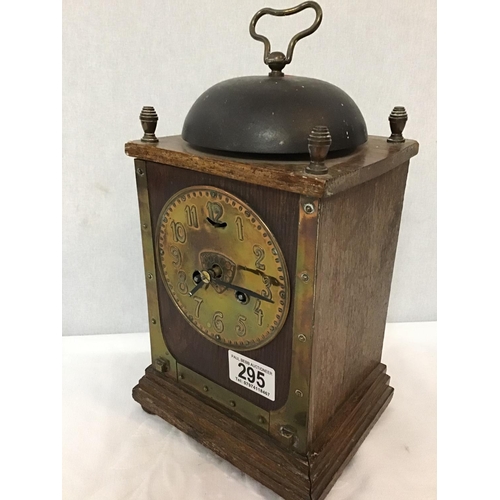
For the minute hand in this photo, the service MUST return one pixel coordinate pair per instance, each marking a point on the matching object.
(243, 290)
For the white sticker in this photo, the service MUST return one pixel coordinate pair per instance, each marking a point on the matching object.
(251, 374)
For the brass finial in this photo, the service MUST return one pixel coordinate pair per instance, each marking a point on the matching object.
(149, 119)
(319, 143)
(397, 121)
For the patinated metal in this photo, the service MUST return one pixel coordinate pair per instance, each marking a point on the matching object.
(289, 423)
(226, 398)
(149, 120)
(162, 359)
(274, 114)
(397, 121)
(277, 60)
(319, 144)
(222, 268)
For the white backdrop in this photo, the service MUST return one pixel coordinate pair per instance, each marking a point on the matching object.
(121, 55)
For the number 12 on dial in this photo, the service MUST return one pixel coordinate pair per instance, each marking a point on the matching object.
(251, 374)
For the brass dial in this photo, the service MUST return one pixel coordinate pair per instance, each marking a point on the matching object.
(222, 267)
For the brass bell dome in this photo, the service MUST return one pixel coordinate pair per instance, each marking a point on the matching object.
(274, 114)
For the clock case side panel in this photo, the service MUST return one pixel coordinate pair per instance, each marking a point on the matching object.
(358, 233)
(161, 358)
(188, 347)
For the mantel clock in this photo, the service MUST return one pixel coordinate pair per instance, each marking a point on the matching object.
(269, 232)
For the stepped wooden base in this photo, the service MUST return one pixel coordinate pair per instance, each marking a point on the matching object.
(293, 476)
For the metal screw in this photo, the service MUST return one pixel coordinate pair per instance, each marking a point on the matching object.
(217, 337)
(153, 321)
(304, 277)
(309, 208)
(205, 388)
(287, 432)
(140, 171)
(150, 276)
(299, 393)
(262, 420)
(302, 338)
(232, 403)
(162, 364)
(145, 226)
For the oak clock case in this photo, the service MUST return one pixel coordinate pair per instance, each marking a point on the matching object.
(269, 231)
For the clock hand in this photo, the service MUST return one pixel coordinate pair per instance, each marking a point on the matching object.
(196, 288)
(242, 290)
(216, 224)
(272, 279)
(201, 278)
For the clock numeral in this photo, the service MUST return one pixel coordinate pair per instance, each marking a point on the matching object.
(191, 216)
(267, 292)
(217, 322)
(182, 285)
(176, 254)
(178, 232)
(258, 311)
(241, 329)
(215, 210)
(198, 304)
(260, 254)
(239, 227)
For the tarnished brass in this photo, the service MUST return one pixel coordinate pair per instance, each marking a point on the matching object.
(228, 399)
(294, 415)
(397, 121)
(277, 60)
(319, 143)
(162, 359)
(222, 267)
(149, 119)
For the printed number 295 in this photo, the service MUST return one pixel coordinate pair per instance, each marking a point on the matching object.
(248, 373)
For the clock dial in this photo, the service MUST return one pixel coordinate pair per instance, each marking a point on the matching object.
(222, 267)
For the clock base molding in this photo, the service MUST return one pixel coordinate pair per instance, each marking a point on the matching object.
(293, 476)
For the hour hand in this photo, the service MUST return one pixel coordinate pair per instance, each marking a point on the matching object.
(242, 290)
(196, 288)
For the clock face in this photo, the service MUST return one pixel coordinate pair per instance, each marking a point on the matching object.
(222, 267)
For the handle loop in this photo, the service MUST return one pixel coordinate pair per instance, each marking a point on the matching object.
(277, 60)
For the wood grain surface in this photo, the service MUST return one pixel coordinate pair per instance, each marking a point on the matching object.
(293, 476)
(368, 161)
(358, 232)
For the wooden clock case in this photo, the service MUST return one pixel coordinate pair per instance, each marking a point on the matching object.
(338, 233)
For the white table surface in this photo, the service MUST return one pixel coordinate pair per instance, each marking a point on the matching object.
(112, 449)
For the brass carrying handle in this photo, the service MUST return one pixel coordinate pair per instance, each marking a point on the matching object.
(277, 60)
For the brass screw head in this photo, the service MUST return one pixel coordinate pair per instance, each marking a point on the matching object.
(262, 420)
(145, 226)
(153, 320)
(299, 393)
(140, 171)
(309, 208)
(302, 337)
(232, 403)
(181, 376)
(304, 277)
(150, 276)
(205, 388)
